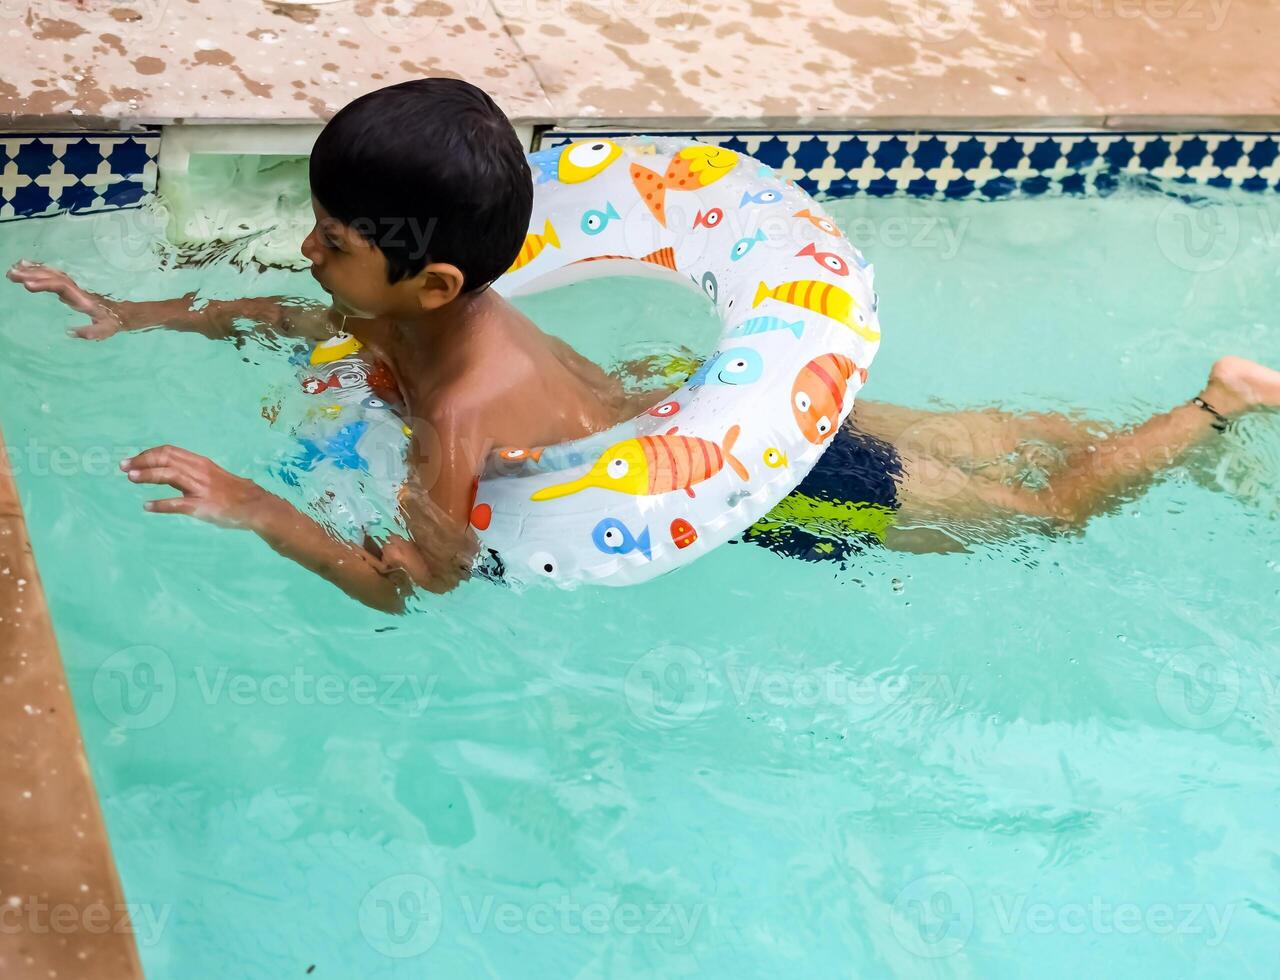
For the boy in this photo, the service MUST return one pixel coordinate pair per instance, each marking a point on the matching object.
(422, 197)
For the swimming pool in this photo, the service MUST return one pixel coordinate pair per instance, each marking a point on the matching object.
(1056, 753)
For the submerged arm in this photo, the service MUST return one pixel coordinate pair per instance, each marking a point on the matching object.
(436, 557)
(216, 319)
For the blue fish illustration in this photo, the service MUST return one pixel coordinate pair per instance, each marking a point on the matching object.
(744, 245)
(547, 162)
(339, 449)
(594, 222)
(709, 285)
(766, 196)
(736, 366)
(765, 324)
(614, 538)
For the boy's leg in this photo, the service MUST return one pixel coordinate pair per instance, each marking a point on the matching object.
(937, 494)
(973, 436)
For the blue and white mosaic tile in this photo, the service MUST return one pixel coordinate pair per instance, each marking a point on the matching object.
(993, 165)
(50, 173)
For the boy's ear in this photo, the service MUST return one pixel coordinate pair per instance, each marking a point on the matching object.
(440, 283)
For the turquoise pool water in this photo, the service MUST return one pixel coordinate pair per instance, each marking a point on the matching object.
(1048, 757)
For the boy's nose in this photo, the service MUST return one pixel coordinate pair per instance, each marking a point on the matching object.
(310, 251)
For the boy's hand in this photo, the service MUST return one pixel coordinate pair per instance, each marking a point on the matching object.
(104, 321)
(209, 492)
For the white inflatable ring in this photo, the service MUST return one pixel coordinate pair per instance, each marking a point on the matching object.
(800, 330)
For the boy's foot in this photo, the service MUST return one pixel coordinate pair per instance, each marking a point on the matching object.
(1236, 384)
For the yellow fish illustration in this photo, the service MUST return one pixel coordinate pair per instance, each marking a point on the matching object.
(774, 458)
(691, 168)
(335, 347)
(821, 297)
(583, 160)
(533, 246)
(654, 464)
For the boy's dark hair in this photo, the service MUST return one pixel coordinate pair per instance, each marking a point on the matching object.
(429, 171)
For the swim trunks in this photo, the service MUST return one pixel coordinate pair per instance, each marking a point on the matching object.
(847, 502)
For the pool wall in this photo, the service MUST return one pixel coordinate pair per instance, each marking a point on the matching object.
(62, 910)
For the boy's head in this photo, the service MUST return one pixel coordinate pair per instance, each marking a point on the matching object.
(422, 193)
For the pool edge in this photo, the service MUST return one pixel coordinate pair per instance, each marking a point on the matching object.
(62, 909)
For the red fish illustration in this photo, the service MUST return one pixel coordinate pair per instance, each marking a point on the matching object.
(683, 533)
(828, 260)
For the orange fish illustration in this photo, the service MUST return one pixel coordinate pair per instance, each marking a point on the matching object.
(665, 257)
(651, 465)
(514, 455)
(820, 297)
(691, 168)
(825, 224)
(818, 395)
(533, 246)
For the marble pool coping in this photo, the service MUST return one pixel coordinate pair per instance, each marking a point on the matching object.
(717, 64)
(62, 909)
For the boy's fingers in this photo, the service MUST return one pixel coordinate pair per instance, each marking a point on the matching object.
(171, 505)
(158, 456)
(171, 476)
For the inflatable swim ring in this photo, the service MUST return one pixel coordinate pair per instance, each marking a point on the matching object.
(800, 329)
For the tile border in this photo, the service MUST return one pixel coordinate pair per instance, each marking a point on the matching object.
(43, 174)
(995, 164)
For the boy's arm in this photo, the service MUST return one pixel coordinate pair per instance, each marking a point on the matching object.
(436, 504)
(216, 319)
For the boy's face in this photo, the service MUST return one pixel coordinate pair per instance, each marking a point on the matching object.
(353, 271)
